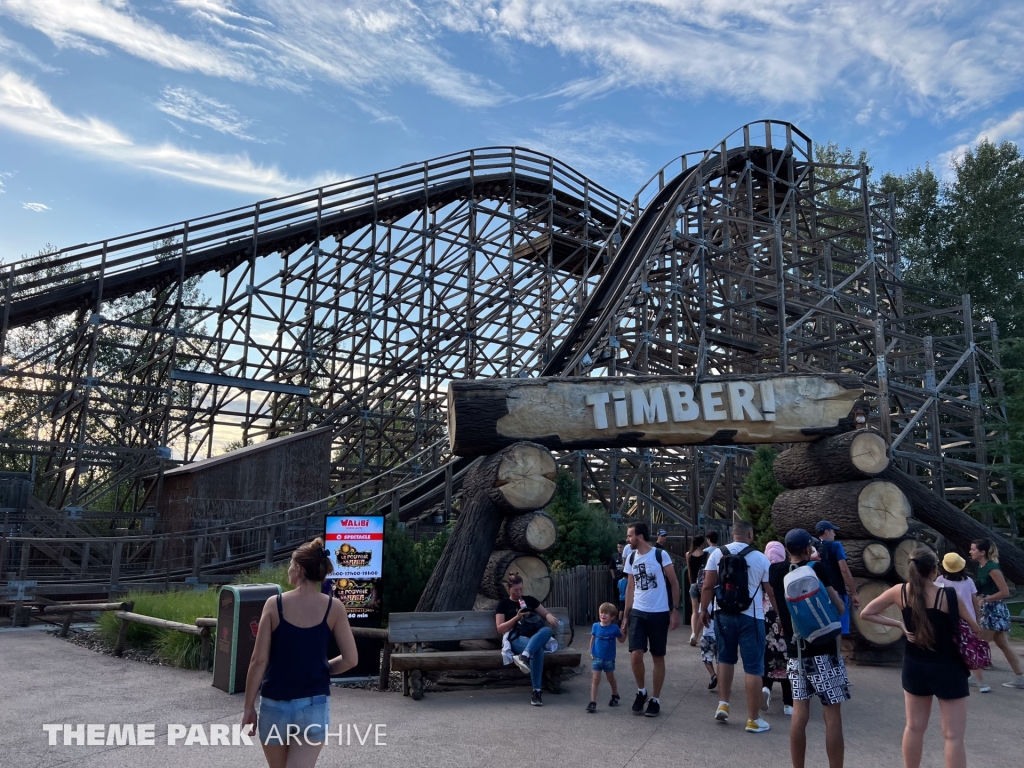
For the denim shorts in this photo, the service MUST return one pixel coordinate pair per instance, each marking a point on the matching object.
(602, 665)
(695, 592)
(744, 634)
(310, 715)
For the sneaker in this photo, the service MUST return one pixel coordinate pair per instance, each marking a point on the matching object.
(536, 700)
(638, 703)
(972, 682)
(722, 713)
(985, 689)
(1017, 682)
(614, 702)
(693, 640)
(714, 683)
(523, 664)
(766, 699)
(592, 707)
(757, 726)
(787, 710)
(653, 709)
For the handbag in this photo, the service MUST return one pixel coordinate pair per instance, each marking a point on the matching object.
(973, 650)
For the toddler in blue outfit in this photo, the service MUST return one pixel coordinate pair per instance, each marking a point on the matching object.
(602, 648)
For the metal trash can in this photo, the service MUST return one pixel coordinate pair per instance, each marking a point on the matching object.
(239, 607)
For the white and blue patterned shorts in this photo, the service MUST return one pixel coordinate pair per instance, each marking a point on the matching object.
(821, 676)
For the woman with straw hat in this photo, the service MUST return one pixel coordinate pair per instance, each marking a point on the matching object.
(953, 574)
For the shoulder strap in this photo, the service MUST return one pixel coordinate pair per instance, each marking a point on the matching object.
(330, 602)
(746, 550)
(632, 557)
(280, 610)
(953, 603)
(657, 555)
(725, 551)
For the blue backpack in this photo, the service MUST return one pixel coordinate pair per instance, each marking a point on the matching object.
(815, 618)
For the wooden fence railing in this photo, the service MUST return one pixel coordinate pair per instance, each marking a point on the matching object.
(581, 590)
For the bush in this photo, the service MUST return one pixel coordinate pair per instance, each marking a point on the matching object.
(759, 491)
(586, 535)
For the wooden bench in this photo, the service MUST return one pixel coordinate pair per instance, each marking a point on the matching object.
(409, 631)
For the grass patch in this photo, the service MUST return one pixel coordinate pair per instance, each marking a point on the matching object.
(178, 648)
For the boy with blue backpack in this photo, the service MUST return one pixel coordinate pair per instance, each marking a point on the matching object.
(811, 626)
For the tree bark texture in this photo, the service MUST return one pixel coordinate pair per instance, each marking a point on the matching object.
(955, 524)
(836, 459)
(868, 558)
(503, 562)
(875, 634)
(530, 532)
(901, 554)
(514, 480)
(863, 509)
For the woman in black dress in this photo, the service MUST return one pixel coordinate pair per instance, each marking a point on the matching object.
(932, 666)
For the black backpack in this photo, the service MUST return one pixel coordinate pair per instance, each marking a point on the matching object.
(732, 593)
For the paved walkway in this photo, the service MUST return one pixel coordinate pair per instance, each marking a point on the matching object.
(46, 680)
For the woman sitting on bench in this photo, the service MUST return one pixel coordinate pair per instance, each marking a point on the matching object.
(528, 627)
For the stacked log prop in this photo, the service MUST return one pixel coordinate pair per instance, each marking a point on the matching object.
(835, 478)
(499, 531)
(847, 479)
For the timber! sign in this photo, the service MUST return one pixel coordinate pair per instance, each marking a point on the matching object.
(486, 415)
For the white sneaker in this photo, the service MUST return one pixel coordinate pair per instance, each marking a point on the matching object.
(787, 710)
(985, 689)
(972, 682)
(757, 726)
(766, 699)
(523, 664)
(1017, 682)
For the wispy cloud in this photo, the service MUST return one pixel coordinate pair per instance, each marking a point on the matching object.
(1010, 128)
(360, 45)
(24, 108)
(600, 150)
(37, 207)
(949, 56)
(4, 175)
(190, 105)
(88, 24)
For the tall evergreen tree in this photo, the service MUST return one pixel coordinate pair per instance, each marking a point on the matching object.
(759, 491)
(586, 535)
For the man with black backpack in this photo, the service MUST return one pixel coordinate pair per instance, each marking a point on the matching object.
(815, 668)
(652, 595)
(734, 577)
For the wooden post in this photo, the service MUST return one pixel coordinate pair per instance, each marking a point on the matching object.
(115, 567)
(197, 554)
(385, 669)
(122, 633)
(66, 626)
(85, 557)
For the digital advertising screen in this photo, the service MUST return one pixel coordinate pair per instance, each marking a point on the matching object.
(356, 547)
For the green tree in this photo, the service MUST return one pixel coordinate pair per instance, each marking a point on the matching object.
(759, 491)
(403, 579)
(586, 535)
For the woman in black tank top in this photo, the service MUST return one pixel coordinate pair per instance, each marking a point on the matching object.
(289, 666)
(931, 662)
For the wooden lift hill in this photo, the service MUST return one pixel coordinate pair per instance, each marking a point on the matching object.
(606, 412)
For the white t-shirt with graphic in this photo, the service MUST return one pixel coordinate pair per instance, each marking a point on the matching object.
(650, 591)
(757, 573)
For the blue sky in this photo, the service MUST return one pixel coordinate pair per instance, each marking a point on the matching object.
(118, 115)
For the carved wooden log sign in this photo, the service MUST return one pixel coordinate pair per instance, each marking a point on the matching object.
(488, 414)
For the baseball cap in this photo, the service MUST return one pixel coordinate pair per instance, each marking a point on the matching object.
(663, 532)
(953, 563)
(825, 525)
(798, 540)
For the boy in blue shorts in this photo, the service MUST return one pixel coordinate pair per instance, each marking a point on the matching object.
(602, 648)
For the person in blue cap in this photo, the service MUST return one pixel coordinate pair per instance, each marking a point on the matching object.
(833, 557)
